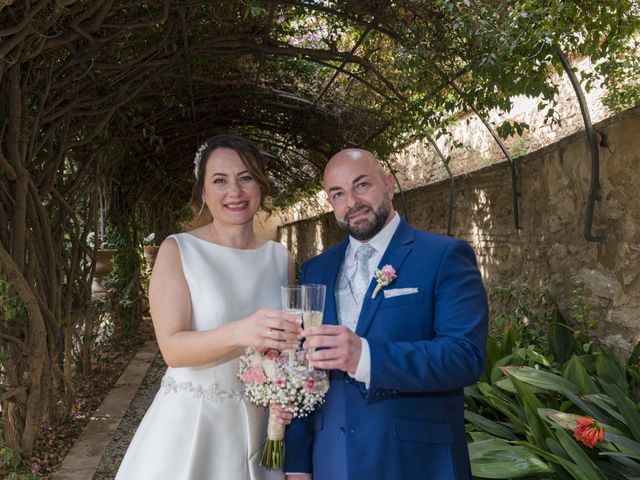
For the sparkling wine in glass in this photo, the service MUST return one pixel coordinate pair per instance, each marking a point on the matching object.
(313, 296)
(291, 298)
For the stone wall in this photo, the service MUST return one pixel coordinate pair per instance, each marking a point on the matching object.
(553, 183)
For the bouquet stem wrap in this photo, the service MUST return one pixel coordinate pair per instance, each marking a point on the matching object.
(270, 378)
(272, 453)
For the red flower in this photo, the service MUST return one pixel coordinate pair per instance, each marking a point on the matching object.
(588, 431)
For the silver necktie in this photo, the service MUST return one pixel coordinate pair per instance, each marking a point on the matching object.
(361, 277)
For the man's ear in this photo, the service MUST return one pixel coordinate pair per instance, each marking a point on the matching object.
(390, 184)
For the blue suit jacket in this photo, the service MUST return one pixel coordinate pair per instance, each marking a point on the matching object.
(425, 347)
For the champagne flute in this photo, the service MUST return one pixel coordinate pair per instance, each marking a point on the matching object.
(291, 297)
(313, 296)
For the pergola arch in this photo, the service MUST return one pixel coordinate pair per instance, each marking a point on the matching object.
(111, 99)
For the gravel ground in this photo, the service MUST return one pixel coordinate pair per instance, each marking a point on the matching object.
(122, 437)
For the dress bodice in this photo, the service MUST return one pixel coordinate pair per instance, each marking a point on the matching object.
(228, 284)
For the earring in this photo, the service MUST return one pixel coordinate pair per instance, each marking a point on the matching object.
(201, 209)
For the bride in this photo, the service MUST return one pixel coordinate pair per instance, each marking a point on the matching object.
(214, 291)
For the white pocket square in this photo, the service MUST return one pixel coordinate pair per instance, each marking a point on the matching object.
(396, 292)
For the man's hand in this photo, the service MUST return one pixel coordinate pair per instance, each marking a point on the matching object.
(298, 476)
(340, 347)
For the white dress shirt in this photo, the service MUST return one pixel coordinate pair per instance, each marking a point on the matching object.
(380, 242)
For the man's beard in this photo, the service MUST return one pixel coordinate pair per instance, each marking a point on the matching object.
(364, 229)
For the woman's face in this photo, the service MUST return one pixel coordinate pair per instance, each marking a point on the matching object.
(231, 193)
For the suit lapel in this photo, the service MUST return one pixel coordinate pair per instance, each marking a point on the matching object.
(330, 280)
(399, 247)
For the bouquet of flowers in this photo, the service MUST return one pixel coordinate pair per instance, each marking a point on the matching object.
(269, 378)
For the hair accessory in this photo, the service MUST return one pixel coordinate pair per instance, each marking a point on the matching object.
(197, 159)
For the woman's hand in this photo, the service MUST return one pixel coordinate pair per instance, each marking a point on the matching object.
(269, 328)
(281, 414)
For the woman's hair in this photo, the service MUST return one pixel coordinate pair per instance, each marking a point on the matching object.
(250, 155)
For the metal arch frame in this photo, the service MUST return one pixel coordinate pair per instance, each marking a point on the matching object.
(594, 183)
(452, 191)
(503, 148)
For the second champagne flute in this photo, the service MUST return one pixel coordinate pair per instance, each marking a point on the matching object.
(313, 296)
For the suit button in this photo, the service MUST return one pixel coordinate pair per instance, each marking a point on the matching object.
(342, 431)
(352, 431)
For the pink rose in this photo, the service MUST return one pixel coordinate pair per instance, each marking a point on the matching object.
(272, 354)
(389, 273)
(282, 359)
(310, 385)
(280, 382)
(256, 375)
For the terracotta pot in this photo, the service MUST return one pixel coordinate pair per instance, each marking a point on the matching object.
(104, 265)
(150, 254)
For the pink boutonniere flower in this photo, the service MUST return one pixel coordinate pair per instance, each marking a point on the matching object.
(384, 276)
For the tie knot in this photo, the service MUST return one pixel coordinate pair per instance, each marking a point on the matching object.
(364, 253)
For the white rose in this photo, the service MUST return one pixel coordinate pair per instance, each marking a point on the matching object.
(256, 360)
(270, 368)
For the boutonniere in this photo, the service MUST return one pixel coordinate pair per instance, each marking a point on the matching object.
(384, 276)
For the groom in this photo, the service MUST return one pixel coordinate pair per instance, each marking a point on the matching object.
(398, 361)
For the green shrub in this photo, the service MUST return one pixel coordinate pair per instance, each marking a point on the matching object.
(544, 373)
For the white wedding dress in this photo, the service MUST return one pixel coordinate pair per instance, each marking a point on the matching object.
(199, 426)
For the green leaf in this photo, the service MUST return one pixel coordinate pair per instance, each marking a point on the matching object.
(607, 404)
(576, 472)
(509, 340)
(589, 409)
(532, 356)
(578, 455)
(531, 404)
(497, 459)
(496, 370)
(578, 375)
(507, 385)
(634, 358)
(541, 379)
(557, 449)
(565, 420)
(611, 371)
(560, 338)
(503, 404)
(480, 436)
(628, 409)
(635, 455)
(493, 355)
(494, 428)
(624, 443)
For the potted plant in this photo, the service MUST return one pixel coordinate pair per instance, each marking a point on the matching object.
(104, 264)
(150, 249)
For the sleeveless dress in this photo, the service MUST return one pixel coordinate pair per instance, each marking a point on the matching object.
(199, 426)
